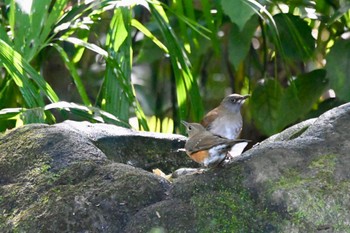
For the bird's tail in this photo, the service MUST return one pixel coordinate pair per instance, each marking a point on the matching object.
(236, 141)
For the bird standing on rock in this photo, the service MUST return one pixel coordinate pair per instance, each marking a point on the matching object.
(226, 119)
(206, 148)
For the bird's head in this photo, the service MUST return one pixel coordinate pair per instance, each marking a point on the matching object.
(233, 102)
(193, 128)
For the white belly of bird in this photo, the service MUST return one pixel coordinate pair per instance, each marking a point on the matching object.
(218, 155)
(230, 131)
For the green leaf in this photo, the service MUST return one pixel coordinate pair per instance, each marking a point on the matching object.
(191, 21)
(238, 11)
(186, 86)
(341, 11)
(74, 73)
(10, 95)
(338, 69)
(115, 99)
(31, 24)
(295, 37)
(33, 115)
(265, 104)
(10, 113)
(4, 36)
(92, 47)
(211, 25)
(87, 113)
(240, 41)
(118, 91)
(39, 114)
(149, 34)
(56, 12)
(300, 96)
(273, 108)
(79, 50)
(20, 70)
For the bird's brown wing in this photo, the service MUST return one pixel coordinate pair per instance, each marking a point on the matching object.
(209, 117)
(209, 141)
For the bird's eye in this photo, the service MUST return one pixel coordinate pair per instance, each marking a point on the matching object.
(233, 100)
(189, 127)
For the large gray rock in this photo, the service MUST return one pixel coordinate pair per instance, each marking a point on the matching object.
(70, 178)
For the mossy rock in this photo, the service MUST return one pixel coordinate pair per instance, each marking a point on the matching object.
(81, 177)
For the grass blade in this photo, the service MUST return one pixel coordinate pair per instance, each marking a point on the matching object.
(74, 73)
(186, 87)
(20, 70)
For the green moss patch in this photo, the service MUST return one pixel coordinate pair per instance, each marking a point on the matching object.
(314, 199)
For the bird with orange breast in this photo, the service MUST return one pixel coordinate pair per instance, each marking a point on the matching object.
(206, 148)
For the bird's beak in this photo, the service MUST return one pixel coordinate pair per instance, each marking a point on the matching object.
(184, 123)
(245, 96)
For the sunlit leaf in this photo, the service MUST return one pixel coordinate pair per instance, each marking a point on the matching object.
(90, 46)
(88, 113)
(295, 36)
(186, 86)
(211, 25)
(10, 113)
(149, 34)
(118, 46)
(20, 70)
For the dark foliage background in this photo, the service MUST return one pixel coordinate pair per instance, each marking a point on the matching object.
(151, 63)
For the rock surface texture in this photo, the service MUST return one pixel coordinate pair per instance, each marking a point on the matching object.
(83, 177)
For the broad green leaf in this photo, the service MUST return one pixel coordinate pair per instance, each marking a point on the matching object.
(37, 21)
(295, 37)
(119, 92)
(240, 41)
(238, 11)
(338, 69)
(26, 21)
(115, 99)
(300, 96)
(273, 107)
(31, 23)
(23, 116)
(265, 104)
